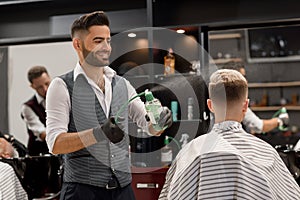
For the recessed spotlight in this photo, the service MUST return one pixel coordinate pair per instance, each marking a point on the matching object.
(180, 31)
(131, 35)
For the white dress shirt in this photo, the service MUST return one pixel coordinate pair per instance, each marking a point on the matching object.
(252, 122)
(58, 105)
(32, 120)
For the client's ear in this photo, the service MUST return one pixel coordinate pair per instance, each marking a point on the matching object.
(245, 105)
(210, 105)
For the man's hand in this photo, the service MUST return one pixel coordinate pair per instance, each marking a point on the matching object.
(283, 120)
(165, 118)
(111, 131)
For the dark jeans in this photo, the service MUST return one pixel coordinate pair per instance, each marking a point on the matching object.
(78, 191)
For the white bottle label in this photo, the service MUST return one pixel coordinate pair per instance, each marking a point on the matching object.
(152, 118)
(167, 156)
(190, 112)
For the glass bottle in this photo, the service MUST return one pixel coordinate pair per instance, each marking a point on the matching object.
(169, 63)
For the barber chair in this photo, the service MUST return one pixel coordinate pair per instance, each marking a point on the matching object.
(291, 158)
(39, 175)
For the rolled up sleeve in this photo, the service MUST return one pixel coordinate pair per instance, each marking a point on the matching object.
(57, 109)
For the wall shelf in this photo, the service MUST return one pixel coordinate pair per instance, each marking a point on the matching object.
(274, 84)
(273, 108)
(224, 36)
(224, 60)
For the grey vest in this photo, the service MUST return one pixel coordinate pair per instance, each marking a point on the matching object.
(95, 164)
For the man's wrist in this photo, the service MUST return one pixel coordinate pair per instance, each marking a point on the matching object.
(98, 133)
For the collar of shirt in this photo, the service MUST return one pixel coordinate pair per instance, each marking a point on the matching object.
(39, 98)
(108, 72)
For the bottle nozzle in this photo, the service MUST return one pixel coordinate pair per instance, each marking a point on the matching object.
(166, 141)
(283, 110)
(148, 95)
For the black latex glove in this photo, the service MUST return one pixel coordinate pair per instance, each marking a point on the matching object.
(165, 118)
(283, 121)
(111, 131)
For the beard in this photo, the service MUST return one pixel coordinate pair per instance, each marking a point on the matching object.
(90, 57)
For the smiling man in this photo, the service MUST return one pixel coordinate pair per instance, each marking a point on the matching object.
(81, 124)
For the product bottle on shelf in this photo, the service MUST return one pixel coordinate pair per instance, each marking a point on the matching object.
(169, 63)
(153, 108)
(190, 114)
(174, 109)
(265, 99)
(184, 139)
(166, 153)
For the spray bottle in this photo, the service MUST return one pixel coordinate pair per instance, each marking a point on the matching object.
(283, 119)
(153, 108)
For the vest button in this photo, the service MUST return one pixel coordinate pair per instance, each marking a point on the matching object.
(112, 155)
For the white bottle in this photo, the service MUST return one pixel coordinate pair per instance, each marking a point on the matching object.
(153, 108)
(184, 139)
(166, 153)
(190, 114)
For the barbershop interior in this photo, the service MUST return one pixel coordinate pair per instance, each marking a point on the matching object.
(166, 51)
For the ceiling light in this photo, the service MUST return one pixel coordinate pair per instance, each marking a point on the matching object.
(180, 31)
(132, 35)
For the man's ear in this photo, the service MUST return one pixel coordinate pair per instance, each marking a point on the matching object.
(210, 105)
(76, 43)
(245, 105)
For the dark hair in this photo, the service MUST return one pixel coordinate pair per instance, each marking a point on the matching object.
(84, 22)
(233, 65)
(35, 72)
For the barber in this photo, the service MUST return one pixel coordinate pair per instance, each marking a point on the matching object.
(82, 122)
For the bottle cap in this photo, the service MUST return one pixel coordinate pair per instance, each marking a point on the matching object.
(149, 96)
(166, 141)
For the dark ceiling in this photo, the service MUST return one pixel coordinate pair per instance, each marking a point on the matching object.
(44, 8)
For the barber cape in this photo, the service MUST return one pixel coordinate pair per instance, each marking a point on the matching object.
(229, 163)
(10, 186)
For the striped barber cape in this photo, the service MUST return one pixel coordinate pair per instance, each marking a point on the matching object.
(229, 163)
(10, 186)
